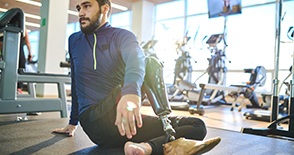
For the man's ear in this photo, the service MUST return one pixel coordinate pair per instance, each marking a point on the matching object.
(105, 9)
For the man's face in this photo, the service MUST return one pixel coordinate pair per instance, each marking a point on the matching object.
(89, 15)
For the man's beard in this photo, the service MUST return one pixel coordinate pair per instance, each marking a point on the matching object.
(94, 23)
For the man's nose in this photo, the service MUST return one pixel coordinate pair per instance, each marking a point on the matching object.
(81, 13)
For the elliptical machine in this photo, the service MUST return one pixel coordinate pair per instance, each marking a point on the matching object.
(148, 48)
(182, 75)
(216, 71)
(186, 90)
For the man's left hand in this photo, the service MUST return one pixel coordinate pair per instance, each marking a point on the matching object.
(128, 110)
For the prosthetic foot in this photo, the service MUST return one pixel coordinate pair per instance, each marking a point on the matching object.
(154, 87)
(184, 146)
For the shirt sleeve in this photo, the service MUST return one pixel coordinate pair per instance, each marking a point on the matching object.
(74, 115)
(134, 59)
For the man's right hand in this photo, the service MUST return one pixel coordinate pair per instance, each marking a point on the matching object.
(70, 129)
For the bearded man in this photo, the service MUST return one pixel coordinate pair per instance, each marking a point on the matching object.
(108, 71)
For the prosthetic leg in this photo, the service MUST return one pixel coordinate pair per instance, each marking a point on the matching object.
(154, 87)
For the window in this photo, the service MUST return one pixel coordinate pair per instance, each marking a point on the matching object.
(170, 10)
(34, 40)
(200, 28)
(255, 2)
(121, 20)
(287, 47)
(250, 37)
(196, 6)
(70, 29)
(168, 32)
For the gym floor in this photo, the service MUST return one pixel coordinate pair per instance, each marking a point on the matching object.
(35, 137)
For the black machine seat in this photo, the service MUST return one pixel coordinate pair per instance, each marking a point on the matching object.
(13, 18)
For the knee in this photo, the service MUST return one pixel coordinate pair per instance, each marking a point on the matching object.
(199, 127)
(198, 123)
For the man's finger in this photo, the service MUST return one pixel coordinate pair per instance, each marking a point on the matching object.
(126, 127)
(132, 123)
(119, 124)
(138, 118)
(60, 130)
(71, 133)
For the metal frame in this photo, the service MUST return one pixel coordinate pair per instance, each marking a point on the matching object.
(10, 102)
(215, 87)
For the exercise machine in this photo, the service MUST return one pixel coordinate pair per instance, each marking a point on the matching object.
(66, 63)
(216, 71)
(148, 48)
(182, 73)
(216, 74)
(264, 115)
(257, 79)
(182, 77)
(273, 128)
(11, 31)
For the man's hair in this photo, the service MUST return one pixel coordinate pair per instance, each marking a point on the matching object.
(102, 2)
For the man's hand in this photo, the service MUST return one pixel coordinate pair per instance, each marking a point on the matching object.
(128, 109)
(30, 57)
(70, 129)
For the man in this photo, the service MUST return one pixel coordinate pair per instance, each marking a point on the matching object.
(102, 59)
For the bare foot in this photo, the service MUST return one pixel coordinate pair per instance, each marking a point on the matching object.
(137, 148)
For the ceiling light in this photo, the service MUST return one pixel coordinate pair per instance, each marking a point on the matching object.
(120, 7)
(31, 2)
(25, 14)
(32, 16)
(32, 24)
(3, 10)
(123, 8)
(75, 13)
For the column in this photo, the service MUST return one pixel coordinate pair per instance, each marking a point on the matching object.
(54, 18)
(143, 20)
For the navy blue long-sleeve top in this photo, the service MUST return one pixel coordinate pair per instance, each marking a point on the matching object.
(101, 61)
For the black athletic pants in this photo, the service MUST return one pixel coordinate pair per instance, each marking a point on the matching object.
(98, 123)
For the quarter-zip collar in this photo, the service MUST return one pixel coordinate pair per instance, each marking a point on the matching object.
(99, 30)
